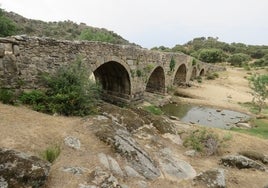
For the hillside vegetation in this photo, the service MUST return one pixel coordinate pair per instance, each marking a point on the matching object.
(211, 50)
(14, 24)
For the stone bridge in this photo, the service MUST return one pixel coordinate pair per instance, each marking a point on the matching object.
(124, 72)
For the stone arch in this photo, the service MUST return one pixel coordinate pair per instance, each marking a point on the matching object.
(194, 73)
(156, 82)
(181, 75)
(202, 72)
(114, 80)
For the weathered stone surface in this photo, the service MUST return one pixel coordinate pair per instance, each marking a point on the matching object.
(18, 169)
(132, 173)
(16, 50)
(212, 178)
(34, 55)
(255, 156)
(72, 142)
(173, 167)
(75, 170)
(191, 153)
(2, 50)
(174, 138)
(102, 179)
(241, 162)
(125, 145)
(243, 125)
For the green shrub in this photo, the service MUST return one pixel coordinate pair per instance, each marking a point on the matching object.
(172, 64)
(7, 26)
(7, 96)
(33, 97)
(51, 153)
(212, 76)
(199, 79)
(238, 59)
(70, 92)
(204, 141)
(211, 55)
(260, 63)
(139, 73)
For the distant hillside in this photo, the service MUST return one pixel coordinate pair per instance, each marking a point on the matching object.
(212, 50)
(67, 30)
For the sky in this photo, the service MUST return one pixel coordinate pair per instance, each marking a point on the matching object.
(151, 23)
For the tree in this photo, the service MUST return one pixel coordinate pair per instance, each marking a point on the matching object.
(211, 55)
(238, 58)
(259, 85)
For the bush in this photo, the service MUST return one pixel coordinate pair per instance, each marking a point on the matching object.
(211, 55)
(238, 59)
(203, 140)
(7, 96)
(260, 63)
(212, 76)
(69, 92)
(51, 153)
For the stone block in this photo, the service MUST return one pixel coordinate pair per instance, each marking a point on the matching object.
(16, 50)
(2, 50)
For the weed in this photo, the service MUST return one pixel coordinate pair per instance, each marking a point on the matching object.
(51, 153)
(7, 96)
(204, 141)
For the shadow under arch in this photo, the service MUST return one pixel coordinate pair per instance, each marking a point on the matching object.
(180, 76)
(156, 82)
(202, 72)
(114, 80)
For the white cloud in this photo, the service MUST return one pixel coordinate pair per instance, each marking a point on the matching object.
(158, 22)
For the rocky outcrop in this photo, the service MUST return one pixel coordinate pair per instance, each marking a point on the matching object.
(240, 162)
(255, 156)
(18, 169)
(214, 178)
(123, 143)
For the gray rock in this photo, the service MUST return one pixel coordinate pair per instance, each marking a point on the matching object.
(132, 173)
(72, 142)
(212, 178)
(255, 156)
(2, 50)
(3, 183)
(174, 118)
(114, 166)
(191, 153)
(103, 160)
(104, 179)
(110, 163)
(121, 140)
(243, 125)
(240, 162)
(173, 167)
(174, 138)
(142, 184)
(18, 169)
(16, 50)
(75, 170)
(101, 118)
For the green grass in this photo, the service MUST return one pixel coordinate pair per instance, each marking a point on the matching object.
(51, 153)
(253, 108)
(260, 129)
(153, 109)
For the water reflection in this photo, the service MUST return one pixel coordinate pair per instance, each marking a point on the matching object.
(204, 115)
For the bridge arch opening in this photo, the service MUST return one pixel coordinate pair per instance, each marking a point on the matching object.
(180, 76)
(156, 82)
(194, 73)
(114, 80)
(202, 72)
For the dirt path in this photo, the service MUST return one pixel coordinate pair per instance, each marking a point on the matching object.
(225, 92)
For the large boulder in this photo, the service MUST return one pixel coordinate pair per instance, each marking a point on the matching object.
(240, 162)
(123, 143)
(214, 178)
(18, 169)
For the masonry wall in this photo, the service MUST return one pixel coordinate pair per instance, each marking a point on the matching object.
(24, 59)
